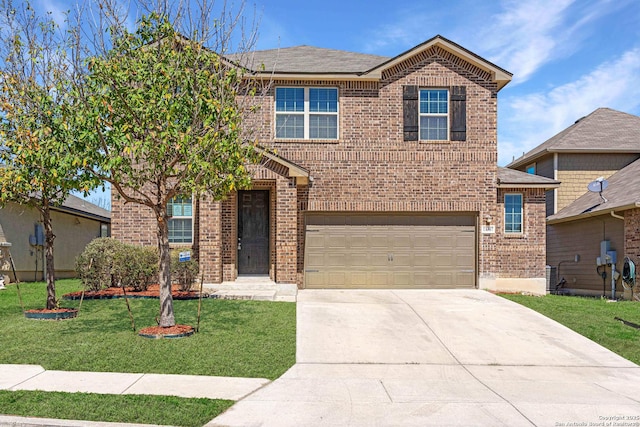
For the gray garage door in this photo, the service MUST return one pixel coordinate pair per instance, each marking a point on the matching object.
(390, 251)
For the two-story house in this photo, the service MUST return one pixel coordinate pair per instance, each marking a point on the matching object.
(604, 144)
(377, 173)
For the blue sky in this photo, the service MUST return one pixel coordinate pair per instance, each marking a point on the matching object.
(568, 57)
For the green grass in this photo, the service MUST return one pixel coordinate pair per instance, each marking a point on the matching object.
(237, 338)
(592, 317)
(167, 410)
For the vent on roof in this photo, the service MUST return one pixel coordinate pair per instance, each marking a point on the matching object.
(579, 119)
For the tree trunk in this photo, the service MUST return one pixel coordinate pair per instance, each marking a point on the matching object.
(166, 300)
(49, 237)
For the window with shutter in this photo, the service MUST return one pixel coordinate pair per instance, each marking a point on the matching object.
(410, 112)
(434, 114)
(458, 113)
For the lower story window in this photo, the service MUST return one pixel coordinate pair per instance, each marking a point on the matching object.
(513, 213)
(180, 211)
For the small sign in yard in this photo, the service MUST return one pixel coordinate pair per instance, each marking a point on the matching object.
(184, 256)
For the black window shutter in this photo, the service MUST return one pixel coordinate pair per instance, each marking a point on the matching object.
(458, 113)
(410, 112)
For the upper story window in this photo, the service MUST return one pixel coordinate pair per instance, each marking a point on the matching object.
(434, 114)
(513, 213)
(531, 169)
(306, 113)
(180, 211)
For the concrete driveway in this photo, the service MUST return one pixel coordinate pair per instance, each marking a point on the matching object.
(439, 358)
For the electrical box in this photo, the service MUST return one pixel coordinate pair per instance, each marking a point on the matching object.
(612, 257)
(39, 235)
(605, 246)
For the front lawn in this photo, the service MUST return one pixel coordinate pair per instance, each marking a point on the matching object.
(237, 338)
(592, 317)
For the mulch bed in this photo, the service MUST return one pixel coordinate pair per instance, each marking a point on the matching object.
(153, 291)
(176, 331)
(51, 314)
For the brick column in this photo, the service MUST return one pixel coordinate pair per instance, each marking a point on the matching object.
(286, 230)
(210, 240)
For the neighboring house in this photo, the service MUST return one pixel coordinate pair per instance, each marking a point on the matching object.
(385, 177)
(579, 228)
(606, 143)
(75, 224)
(599, 144)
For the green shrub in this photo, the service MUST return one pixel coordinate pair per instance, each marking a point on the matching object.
(94, 265)
(135, 266)
(183, 273)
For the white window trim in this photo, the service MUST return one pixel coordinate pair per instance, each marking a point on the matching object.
(504, 213)
(420, 115)
(192, 225)
(307, 113)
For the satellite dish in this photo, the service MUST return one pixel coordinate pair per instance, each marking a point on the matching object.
(598, 186)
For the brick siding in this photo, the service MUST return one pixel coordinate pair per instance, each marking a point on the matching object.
(523, 255)
(371, 169)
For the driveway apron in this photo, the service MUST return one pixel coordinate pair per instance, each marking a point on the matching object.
(439, 358)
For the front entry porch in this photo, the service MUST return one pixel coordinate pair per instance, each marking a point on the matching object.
(253, 287)
(247, 244)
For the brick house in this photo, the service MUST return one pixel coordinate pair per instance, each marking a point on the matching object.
(377, 172)
(605, 143)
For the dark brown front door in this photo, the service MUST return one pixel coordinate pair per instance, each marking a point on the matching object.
(253, 232)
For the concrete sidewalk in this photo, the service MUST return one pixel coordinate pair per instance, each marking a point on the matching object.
(34, 377)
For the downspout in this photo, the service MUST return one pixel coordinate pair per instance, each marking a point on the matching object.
(555, 177)
(613, 266)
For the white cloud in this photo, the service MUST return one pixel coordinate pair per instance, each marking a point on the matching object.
(521, 36)
(524, 36)
(535, 117)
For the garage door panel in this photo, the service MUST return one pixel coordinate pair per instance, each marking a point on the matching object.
(381, 251)
(379, 279)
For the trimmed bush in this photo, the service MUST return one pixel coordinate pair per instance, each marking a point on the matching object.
(183, 273)
(135, 266)
(94, 265)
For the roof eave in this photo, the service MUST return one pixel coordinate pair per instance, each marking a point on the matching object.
(548, 186)
(301, 175)
(523, 161)
(80, 213)
(599, 212)
(313, 76)
(534, 157)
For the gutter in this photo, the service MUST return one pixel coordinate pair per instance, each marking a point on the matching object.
(522, 185)
(615, 215)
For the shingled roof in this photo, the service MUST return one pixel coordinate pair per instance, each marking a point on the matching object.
(309, 59)
(603, 131)
(622, 193)
(308, 62)
(511, 178)
(81, 207)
